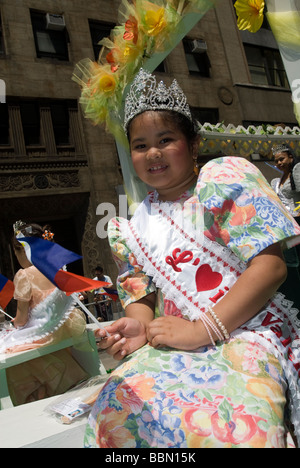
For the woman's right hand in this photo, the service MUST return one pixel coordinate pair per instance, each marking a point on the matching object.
(127, 335)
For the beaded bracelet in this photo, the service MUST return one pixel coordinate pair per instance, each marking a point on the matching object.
(219, 323)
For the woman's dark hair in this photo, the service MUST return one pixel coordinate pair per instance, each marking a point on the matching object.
(30, 230)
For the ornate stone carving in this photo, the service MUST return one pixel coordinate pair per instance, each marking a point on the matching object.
(39, 181)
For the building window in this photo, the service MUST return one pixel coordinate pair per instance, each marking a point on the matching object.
(4, 125)
(2, 49)
(266, 66)
(196, 57)
(30, 116)
(206, 114)
(52, 43)
(60, 122)
(99, 31)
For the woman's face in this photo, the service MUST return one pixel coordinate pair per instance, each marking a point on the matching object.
(161, 155)
(283, 161)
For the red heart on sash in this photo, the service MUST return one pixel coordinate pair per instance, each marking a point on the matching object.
(207, 279)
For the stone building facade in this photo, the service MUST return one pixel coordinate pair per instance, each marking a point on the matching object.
(55, 166)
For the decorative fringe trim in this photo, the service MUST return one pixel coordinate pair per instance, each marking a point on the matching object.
(46, 318)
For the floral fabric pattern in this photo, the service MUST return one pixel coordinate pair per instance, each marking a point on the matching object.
(225, 396)
(242, 211)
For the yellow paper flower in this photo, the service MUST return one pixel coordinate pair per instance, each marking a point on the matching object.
(250, 14)
(123, 52)
(100, 79)
(107, 83)
(154, 22)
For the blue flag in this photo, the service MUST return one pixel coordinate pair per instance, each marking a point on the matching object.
(49, 258)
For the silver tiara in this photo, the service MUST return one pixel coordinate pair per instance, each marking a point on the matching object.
(280, 148)
(146, 94)
(18, 226)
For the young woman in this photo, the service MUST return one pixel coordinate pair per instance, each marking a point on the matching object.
(210, 349)
(45, 315)
(287, 186)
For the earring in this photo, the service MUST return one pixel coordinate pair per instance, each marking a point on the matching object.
(196, 166)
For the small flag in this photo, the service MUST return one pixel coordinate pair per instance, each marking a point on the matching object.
(6, 291)
(49, 258)
(71, 283)
(112, 293)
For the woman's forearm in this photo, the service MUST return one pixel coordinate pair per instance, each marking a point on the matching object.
(142, 310)
(22, 314)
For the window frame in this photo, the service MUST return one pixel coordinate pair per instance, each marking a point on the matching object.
(4, 125)
(56, 38)
(274, 76)
(31, 127)
(102, 29)
(201, 60)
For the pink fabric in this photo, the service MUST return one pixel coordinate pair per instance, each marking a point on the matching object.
(31, 286)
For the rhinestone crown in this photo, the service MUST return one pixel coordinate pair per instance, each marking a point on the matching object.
(17, 226)
(280, 149)
(146, 94)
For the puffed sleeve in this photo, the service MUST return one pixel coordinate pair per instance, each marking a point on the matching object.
(241, 210)
(296, 176)
(132, 283)
(23, 291)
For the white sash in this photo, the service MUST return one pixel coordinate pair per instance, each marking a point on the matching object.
(191, 270)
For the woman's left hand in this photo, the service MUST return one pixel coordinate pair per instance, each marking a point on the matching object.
(174, 332)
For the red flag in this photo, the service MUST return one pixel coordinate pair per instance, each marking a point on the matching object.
(71, 283)
(6, 291)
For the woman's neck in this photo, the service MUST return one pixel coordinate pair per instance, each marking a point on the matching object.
(285, 177)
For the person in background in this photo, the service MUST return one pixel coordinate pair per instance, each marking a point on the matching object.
(103, 309)
(287, 188)
(45, 315)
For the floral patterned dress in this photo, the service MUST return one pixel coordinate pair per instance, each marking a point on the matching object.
(233, 393)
